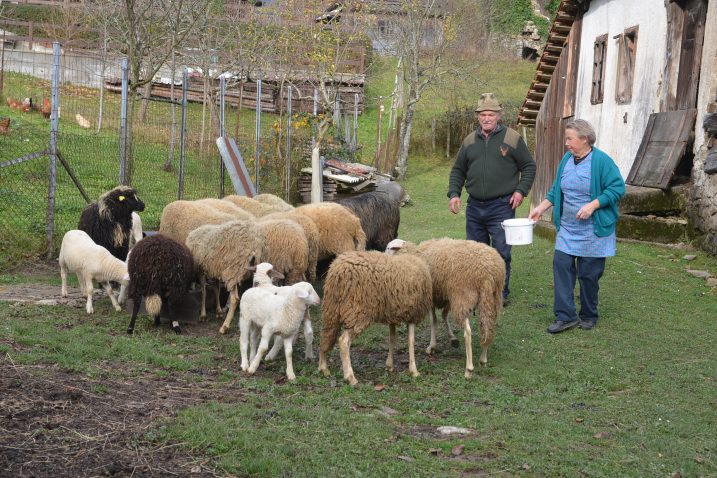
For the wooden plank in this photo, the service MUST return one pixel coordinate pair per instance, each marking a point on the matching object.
(663, 145)
(691, 54)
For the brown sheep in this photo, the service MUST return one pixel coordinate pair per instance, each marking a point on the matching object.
(312, 236)
(339, 228)
(363, 288)
(253, 206)
(465, 275)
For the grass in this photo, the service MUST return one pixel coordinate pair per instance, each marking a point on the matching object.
(633, 397)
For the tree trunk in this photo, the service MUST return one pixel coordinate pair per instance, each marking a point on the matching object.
(406, 128)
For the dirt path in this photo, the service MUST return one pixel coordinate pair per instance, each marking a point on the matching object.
(56, 424)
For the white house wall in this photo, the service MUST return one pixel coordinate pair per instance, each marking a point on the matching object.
(622, 124)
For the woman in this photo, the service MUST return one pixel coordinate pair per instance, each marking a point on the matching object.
(585, 193)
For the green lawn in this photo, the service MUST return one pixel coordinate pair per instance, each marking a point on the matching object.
(633, 397)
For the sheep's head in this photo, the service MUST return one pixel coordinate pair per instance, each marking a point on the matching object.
(268, 270)
(121, 198)
(306, 292)
(125, 280)
(393, 247)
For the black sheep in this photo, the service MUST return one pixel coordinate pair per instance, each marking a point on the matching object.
(380, 216)
(160, 270)
(109, 220)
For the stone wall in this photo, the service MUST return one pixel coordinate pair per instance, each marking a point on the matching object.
(703, 210)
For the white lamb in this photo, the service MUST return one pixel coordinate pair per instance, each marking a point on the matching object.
(89, 261)
(273, 312)
(264, 277)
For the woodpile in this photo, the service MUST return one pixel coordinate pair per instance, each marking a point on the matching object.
(305, 188)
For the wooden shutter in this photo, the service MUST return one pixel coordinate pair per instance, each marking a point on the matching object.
(663, 145)
(599, 54)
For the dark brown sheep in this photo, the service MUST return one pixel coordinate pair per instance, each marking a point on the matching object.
(160, 270)
(380, 216)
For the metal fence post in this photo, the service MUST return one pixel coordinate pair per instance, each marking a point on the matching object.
(222, 130)
(123, 122)
(183, 134)
(288, 142)
(258, 136)
(52, 187)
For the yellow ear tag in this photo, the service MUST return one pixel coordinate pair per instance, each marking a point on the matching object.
(121, 198)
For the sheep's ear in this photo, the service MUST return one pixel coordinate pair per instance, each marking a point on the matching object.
(302, 294)
(251, 268)
(274, 274)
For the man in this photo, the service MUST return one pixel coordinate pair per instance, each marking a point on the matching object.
(497, 170)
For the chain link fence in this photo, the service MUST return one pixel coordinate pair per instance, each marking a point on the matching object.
(170, 158)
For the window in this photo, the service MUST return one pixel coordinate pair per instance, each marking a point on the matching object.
(627, 47)
(599, 56)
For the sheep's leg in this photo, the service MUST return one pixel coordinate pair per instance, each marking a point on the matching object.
(391, 346)
(412, 369)
(89, 288)
(233, 302)
(308, 337)
(245, 330)
(217, 301)
(345, 350)
(469, 346)
(263, 347)
(122, 294)
(108, 288)
(135, 311)
(253, 340)
(434, 325)
(203, 311)
(63, 275)
(449, 329)
(278, 341)
(288, 348)
(175, 323)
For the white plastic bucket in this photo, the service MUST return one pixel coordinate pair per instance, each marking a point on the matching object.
(518, 232)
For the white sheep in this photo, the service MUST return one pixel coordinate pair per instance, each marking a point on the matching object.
(263, 277)
(275, 314)
(89, 261)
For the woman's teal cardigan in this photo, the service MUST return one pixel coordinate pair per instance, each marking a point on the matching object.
(606, 185)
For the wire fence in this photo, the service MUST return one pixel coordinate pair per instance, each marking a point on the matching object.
(44, 185)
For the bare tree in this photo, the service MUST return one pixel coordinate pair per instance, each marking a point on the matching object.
(147, 32)
(423, 36)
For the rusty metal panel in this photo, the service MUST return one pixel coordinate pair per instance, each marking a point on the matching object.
(663, 145)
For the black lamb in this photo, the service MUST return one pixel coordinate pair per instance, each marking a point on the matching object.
(380, 216)
(160, 270)
(109, 220)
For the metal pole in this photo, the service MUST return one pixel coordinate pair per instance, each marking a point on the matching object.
(54, 122)
(183, 134)
(123, 121)
(288, 142)
(257, 150)
(222, 130)
(2, 62)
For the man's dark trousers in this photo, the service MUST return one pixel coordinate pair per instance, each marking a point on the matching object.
(483, 224)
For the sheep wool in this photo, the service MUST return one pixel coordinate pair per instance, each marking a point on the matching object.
(109, 220)
(227, 208)
(161, 271)
(90, 262)
(286, 248)
(311, 232)
(339, 228)
(179, 218)
(466, 275)
(253, 206)
(227, 252)
(380, 216)
(275, 202)
(362, 288)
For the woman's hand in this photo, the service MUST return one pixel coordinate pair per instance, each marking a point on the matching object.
(539, 210)
(587, 210)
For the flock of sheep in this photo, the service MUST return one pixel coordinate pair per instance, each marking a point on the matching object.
(247, 244)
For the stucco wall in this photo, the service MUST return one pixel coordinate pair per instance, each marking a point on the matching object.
(704, 187)
(625, 123)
